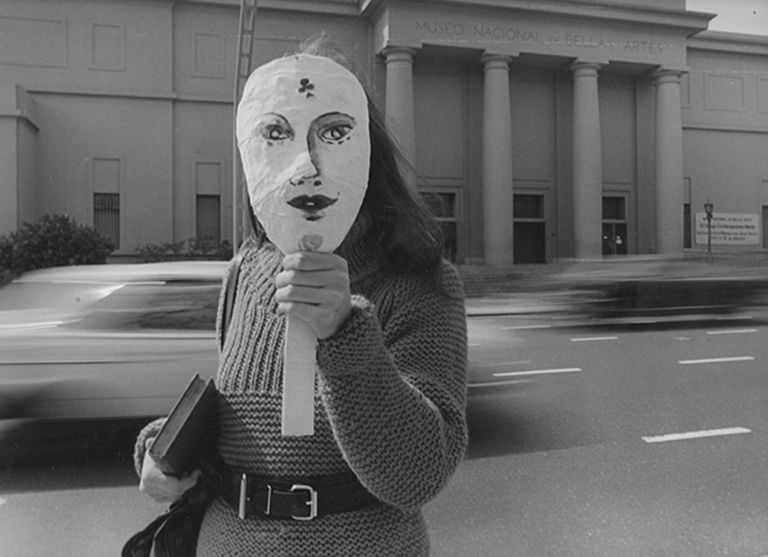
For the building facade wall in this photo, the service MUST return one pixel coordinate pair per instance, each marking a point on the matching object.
(18, 151)
(135, 98)
(726, 134)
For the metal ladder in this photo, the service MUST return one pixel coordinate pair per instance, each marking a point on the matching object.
(240, 214)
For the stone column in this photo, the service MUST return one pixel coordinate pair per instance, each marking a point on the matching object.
(399, 99)
(669, 163)
(498, 184)
(587, 162)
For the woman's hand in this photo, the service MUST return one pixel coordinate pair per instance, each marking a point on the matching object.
(161, 487)
(314, 287)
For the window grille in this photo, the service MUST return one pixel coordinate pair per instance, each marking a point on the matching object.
(209, 219)
(106, 215)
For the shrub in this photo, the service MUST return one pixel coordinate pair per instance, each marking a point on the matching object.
(190, 249)
(52, 241)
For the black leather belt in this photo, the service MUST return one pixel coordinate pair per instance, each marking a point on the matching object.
(300, 499)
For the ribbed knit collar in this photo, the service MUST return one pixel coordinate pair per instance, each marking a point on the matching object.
(358, 249)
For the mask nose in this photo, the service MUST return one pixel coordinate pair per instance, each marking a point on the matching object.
(305, 171)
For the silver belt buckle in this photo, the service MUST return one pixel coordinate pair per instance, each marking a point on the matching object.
(312, 503)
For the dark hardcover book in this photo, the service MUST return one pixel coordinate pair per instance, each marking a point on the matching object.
(188, 430)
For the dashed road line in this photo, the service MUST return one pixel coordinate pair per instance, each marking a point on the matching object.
(593, 339)
(696, 434)
(717, 360)
(524, 327)
(500, 383)
(537, 372)
(504, 364)
(732, 332)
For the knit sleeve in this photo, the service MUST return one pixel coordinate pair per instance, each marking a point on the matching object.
(396, 394)
(148, 432)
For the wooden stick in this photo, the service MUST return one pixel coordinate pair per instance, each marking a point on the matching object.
(298, 378)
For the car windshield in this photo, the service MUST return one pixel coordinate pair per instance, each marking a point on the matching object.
(60, 296)
(131, 306)
(187, 305)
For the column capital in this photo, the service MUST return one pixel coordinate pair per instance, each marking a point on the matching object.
(667, 75)
(395, 53)
(496, 61)
(580, 67)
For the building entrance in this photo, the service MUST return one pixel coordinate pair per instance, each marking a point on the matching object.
(529, 229)
(529, 242)
(614, 239)
(614, 225)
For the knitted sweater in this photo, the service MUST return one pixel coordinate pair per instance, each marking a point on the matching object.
(389, 406)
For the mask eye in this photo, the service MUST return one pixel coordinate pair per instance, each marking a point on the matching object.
(274, 127)
(334, 127)
(334, 133)
(276, 132)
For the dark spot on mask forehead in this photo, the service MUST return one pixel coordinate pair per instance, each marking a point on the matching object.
(306, 87)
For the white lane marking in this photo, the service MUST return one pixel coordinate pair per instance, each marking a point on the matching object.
(523, 327)
(3, 501)
(500, 383)
(732, 332)
(729, 318)
(592, 339)
(717, 360)
(696, 434)
(504, 364)
(537, 372)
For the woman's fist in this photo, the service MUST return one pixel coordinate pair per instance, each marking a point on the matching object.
(314, 287)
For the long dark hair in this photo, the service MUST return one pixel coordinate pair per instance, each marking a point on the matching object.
(407, 236)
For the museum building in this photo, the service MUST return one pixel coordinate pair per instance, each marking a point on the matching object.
(538, 130)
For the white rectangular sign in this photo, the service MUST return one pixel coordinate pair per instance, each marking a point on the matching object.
(733, 229)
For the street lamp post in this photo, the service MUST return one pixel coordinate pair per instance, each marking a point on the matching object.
(708, 207)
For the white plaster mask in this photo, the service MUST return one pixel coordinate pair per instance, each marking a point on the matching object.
(302, 131)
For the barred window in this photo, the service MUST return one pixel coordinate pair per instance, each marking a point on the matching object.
(106, 215)
(209, 219)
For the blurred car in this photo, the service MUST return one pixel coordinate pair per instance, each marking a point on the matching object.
(106, 341)
(650, 288)
(121, 341)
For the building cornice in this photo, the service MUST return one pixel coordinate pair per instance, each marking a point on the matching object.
(16, 103)
(689, 22)
(330, 7)
(730, 42)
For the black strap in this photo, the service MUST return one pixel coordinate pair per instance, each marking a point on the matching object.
(229, 297)
(290, 498)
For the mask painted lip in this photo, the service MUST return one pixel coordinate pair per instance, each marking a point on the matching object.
(311, 205)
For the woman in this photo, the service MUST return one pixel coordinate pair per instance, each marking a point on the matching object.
(388, 312)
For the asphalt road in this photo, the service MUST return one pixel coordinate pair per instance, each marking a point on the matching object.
(607, 442)
(616, 442)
